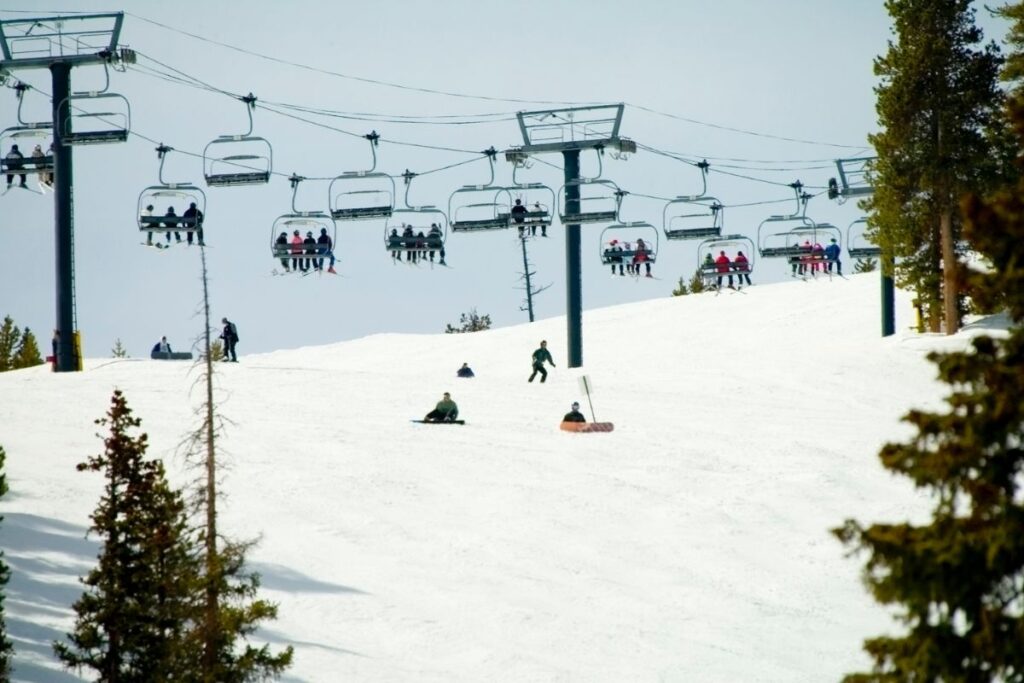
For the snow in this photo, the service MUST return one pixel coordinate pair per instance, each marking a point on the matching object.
(691, 544)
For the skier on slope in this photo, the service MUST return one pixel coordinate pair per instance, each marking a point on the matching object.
(539, 356)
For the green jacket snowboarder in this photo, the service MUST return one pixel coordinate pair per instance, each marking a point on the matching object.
(444, 411)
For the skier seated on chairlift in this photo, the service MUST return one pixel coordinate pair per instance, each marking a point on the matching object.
(519, 216)
(722, 264)
(817, 256)
(14, 163)
(193, 218)
(444, 411)
(742, 267)
(643, 256)
(574, 415)
(832, 254)
(537, 209)
(280, 248)
(395, 244)
(324, 247)
(613, 253)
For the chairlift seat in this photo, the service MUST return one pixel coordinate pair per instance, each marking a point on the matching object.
(625, 256)
(693, 233)
(233, 179)
(414, 243)
(94, 137)
(865, 252)
(27, 165)
(361, 212)
(784, 251)
(499, 222)
(155, 223)
(588, 217)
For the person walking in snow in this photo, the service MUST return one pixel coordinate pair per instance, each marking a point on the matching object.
(230, 337)
(539, 357)
(445, 411)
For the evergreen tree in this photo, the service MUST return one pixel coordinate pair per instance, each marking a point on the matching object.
(865, 265)
(119, 351)
(27, 355)
(1013, 69)
(958, 580)
(697, 282)
(133, 618)
(681, 289)
(6, 650)
(9, 336)
(470, 322)
(939, 110)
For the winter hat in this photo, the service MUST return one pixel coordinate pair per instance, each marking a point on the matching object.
(575, 406)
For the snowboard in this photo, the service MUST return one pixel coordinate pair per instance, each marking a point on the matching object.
(431, 422)
(587, 426)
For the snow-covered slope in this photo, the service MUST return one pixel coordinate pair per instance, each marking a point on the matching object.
(691, 544)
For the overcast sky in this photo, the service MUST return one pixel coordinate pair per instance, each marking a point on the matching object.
(768, 92)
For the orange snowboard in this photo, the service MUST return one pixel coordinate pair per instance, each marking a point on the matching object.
(587, 426)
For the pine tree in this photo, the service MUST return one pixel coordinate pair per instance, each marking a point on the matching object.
(27, 355)
(9, 336)
(958, 580)
(470, 322)
(940, 110)
(865, 265)
(6, 650)
(119, 351)
(697, 282)
(681, 289)
(133, 618)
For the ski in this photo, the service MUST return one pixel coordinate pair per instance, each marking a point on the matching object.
(441, 422)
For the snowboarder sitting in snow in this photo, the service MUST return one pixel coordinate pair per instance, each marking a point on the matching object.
(161, 347)
(465, 371)
(574, 415)
(444, 411)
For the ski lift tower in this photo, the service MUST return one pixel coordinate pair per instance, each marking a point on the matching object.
(853, 182)
(59, 43)
(569, 131)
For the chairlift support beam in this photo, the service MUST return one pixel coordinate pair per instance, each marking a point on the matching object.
(46, 43)
(544, 131)
(852, 182)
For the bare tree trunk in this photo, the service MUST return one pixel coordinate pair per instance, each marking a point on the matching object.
(212, 606)
(950, 292)
(934, 290)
